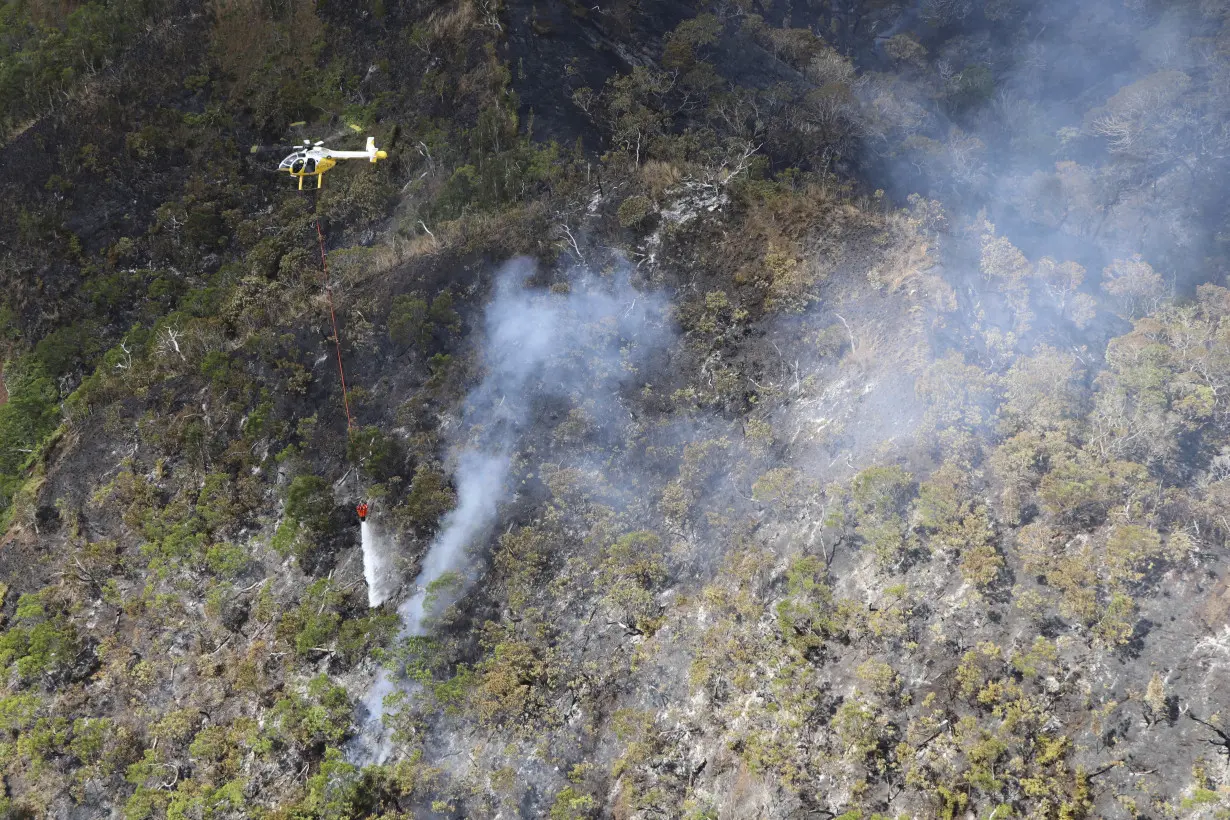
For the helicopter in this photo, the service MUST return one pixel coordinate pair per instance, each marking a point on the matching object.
(313, 160)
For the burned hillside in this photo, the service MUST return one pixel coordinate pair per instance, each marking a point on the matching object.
(757, 409)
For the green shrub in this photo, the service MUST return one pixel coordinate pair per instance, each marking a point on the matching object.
(631, 569)
(322, 715)
(633, 210)
(430, 497)
(408, 320)
(26, 420)
(90, 738)
(571, 804)
(40, 643)
(226, 560)
(413, 321)
(67, 348)
(309, 501)
(17, 711)
(379, 455)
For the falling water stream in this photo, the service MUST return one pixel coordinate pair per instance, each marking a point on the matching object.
(374, 570)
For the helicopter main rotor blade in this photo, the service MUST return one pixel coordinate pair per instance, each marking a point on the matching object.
(292, 145)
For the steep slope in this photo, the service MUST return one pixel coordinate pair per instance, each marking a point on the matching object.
(764, 411)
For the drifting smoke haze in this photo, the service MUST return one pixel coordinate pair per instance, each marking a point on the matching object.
(536, 344)
(1081, 136)
(1087, 135)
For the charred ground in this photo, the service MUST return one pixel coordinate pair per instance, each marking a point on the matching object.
(911, 504)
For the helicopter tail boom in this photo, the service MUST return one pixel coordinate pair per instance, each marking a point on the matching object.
(371, 152)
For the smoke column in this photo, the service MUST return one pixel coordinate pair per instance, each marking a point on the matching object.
(480, 480)
(536, 343)
(375, 567)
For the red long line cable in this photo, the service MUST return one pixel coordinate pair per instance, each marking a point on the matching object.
(337, 339)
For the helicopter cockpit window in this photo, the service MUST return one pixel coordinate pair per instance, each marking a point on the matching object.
(293, 162)
(299, 163)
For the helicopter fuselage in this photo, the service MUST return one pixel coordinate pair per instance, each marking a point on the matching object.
(315, 160)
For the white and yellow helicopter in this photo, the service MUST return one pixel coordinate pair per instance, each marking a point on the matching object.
(313, 160)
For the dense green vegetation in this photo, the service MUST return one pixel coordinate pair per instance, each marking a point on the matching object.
(920, 512)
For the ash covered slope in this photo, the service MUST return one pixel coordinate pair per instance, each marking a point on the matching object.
(783, 496)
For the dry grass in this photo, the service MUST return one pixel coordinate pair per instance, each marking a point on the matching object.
(905, 264)
(25, 502)
(792, 241)
(904, 259)
(749, 795)
(866, 348)
(414, 248)
(659, 177)
(818, 214)
(482, 81)
(358, 266)
(18, 130)
(452, 23)
(1215, 613)
(246, 7)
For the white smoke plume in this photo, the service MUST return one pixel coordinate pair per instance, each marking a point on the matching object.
(583, 343)
(480, 488)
